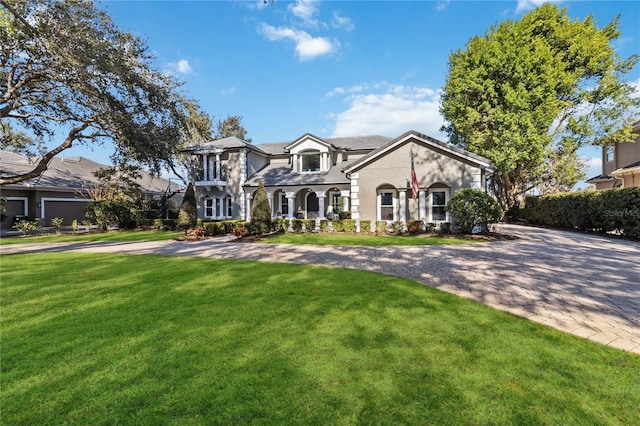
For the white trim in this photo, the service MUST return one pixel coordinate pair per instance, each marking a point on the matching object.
(44, 200)
(430, 206)
(25, 204)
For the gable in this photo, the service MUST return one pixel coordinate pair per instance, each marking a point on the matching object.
(309, 142)
(425, 143)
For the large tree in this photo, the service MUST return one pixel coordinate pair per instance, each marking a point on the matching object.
(69, 75)
(529, 93)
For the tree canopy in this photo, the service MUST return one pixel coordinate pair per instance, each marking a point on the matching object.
(69, 75)
(529, 93)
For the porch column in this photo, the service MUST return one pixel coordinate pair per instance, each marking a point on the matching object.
(291, 200)
(422, 205)
(205, 167)
(321, 195)
(403, 207)
(345, 199)
(218, 177)
(247, 209)
(270, 199)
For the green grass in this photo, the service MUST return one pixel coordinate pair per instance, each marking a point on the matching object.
(365, 240)
(96, 236)
(113, 339)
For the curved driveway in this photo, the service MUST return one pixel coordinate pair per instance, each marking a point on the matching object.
(582, 284)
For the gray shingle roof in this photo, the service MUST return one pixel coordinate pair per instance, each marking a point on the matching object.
(67, 173)
(282, 175)
(353, 143)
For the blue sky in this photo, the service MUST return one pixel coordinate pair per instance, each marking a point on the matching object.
(331, 68)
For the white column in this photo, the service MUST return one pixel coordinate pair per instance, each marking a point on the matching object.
(291, 198)
(345, 199)
(205, 166)
(402, 207)
(325, 164)
(218, 176)
(270, 199)
(247, 215)
(321, 195)
(422, 205)
(295, 162)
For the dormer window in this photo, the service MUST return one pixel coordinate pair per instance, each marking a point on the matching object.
(310, 161)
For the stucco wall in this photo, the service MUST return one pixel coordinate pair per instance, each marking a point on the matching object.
(433, 167)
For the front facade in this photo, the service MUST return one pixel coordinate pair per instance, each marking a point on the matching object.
(620, 164)
(316, 178)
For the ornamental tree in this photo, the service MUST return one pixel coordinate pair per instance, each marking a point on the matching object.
(68, 75)
(260, 211)
(530, 92)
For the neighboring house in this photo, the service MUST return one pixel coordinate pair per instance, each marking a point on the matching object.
(620, 164)
(60, 191)
(315, 178)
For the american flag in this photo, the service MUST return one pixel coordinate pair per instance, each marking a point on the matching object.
(415, 186)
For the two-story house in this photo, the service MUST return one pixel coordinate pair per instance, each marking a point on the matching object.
(620, 164)
(315, 178)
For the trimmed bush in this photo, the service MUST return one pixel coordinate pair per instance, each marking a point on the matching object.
(397, 227)
(260, 212)
(445, 228)
(471, 207)
(365, 226)
(324, 225)
(430, 227)
(338, 226)
(381, 226)
(309, 224)
(188, 215)
(296, 224)
(344, 215)
(616, 210)
(349, 225)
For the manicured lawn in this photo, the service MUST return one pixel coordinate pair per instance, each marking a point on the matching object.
(113, 339)
(97, 236)
(365, 240)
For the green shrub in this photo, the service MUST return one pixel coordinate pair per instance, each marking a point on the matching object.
(56, 222)
(324, 225)
(260, 212)
(365, 226)
(338, 226)
(430, 227)
(75, 226)
(296, 224)
(27, 227)
(344, 215)
(110, 212)
(445, 228)
(471, 207)
(349, 225)
(188, 215)
(309, 224)
(588, 211)
(415, 227)
(397, 227)
(381, 226)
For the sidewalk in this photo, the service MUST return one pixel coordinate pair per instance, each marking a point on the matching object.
(582, 284)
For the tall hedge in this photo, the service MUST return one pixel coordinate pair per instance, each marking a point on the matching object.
(611, 210)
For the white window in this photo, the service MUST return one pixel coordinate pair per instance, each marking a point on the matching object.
(310, 161)
(284, 204)
(208, 207)
(386, 203)
(336, 202)
(438, 203)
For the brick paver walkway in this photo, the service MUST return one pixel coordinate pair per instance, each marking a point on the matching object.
(582, 284)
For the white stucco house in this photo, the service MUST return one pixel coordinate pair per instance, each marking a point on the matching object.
(316, 178)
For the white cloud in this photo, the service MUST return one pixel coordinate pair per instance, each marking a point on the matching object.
(342, 22)
(390, 113)
(307, 47)
(228, 91)
(180, 67)
(442, 5)
(304, 9)
(532, 4)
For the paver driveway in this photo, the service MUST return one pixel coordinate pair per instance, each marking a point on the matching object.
(582, 284)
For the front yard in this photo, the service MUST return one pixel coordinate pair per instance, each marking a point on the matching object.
(107, 339)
